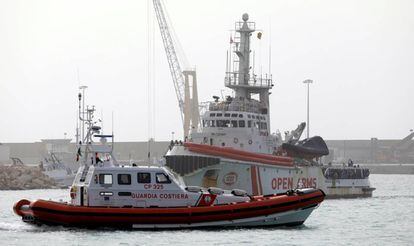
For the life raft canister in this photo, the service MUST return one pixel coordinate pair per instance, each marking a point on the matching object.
(73, 192)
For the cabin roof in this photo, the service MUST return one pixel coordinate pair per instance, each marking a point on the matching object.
(130, 168)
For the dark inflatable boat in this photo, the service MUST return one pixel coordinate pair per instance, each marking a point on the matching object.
(308, 148)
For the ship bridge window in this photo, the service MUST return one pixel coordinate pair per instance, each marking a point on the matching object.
(242, 123)
(262, 125)
(240, 116)
(212, 114)
(223, 123)
(234, 123)
(105, 179)
(124, 179)
(249, 124)
(144, 178)
(233, 115)
(209, 123)
(219, 115)
(248, 116)
(162, 178)
(226, 115)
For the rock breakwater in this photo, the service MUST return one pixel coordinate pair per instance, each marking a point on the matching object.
(19, 177)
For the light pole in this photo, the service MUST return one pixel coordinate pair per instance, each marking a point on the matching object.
(308, 81)
(172, 135)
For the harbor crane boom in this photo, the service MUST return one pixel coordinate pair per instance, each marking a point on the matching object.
(188, 104)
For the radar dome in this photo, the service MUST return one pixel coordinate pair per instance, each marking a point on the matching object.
(245, 17)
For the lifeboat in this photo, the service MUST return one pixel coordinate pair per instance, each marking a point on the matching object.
(288, 209)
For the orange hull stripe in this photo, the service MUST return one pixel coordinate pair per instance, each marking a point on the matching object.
(255, 190)
(260, 181)
(241, 153)
(238, 157)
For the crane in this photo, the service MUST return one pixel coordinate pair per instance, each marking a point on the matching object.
(183, 80)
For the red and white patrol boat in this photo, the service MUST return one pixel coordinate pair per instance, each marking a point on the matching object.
(235, 148)
(107, 194)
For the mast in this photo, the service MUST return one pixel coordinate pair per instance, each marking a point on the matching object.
(243, 53)
(240, 77)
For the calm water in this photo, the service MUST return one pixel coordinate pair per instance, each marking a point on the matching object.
(386, 218)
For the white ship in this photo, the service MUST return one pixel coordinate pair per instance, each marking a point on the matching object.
(58, 162)
(235, 148)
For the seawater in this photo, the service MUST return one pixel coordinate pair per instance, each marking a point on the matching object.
(385, 219)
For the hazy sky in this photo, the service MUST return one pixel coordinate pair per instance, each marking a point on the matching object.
(359, 53)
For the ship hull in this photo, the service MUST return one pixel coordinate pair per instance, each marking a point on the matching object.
(275, 210)
(263, 178)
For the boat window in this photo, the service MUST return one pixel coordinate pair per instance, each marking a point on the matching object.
(249, 123)
(226, 115)
(219, 115)
(144, 178)
(240, 116)
(124, 179)
(212, 114)
(257, 117)
(124, 193)
(234, 123)
(213, 123)
(233, 115)
(105, 193)
(105, 178)
(242, 123)
(204, 123)
(161, 178)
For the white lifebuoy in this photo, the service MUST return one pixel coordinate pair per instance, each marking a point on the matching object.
(236, 140)
(250, 141)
